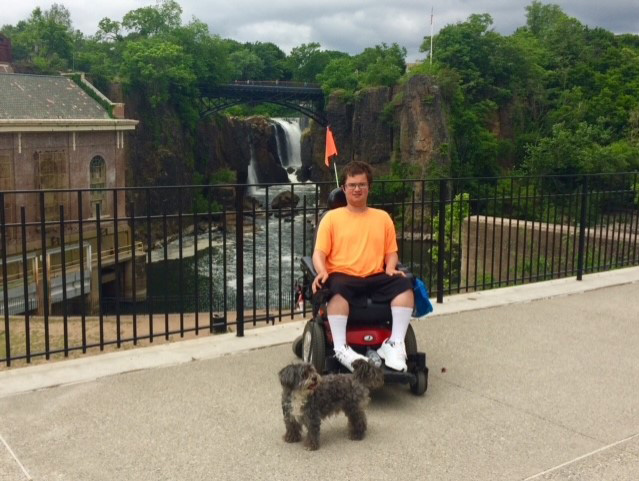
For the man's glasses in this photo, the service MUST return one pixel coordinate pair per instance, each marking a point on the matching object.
(361, 186)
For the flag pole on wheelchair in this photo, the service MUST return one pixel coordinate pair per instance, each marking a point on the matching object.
(330, 151)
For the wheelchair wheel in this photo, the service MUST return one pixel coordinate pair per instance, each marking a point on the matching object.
(297, 346)
(421, 383)
(410, 341)
(314, 346)
(421, 377)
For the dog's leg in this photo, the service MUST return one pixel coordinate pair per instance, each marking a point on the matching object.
(293, 432)
(356, 422)
(313, 427)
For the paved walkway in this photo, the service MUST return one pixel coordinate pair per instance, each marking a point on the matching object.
(537, 382)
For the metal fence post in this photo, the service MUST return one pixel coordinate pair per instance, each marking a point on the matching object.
(239, 257)
(441, 241)
(582, 229)
(5, 282)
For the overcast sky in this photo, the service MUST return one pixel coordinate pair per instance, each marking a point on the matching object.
(345, 25)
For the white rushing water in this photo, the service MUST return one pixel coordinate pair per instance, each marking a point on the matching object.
(293, 157)
(252, 175)
(285, 236)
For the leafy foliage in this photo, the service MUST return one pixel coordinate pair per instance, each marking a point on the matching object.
(555, 96)
(455, 213)
(381, 65)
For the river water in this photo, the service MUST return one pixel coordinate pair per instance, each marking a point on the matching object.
(272, 250)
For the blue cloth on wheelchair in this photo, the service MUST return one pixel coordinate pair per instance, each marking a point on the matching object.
(422, 302)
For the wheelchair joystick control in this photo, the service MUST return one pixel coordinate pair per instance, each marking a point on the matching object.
(374, 358)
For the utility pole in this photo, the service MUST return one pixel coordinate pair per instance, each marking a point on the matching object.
(431, 36)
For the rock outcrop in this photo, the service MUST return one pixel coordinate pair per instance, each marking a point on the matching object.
(230, 142)
(405, 123)
(423, 127)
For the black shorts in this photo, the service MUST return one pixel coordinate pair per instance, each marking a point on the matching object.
(379, 287)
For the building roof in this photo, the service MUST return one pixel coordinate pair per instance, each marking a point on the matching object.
(42, 97)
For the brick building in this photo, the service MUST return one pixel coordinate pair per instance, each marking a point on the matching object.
(59, 132)
(54, 135)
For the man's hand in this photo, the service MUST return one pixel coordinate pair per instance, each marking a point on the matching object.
(391, 271)
(319, 281)
(390, 261)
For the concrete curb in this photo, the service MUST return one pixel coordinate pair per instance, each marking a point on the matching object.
(32, 378)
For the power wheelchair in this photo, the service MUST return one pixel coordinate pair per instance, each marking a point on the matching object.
(367, 328)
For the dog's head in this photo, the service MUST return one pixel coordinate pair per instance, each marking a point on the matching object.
(299, 376)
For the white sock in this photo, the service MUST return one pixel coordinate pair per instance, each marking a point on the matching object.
(338, 329)
(401, 320)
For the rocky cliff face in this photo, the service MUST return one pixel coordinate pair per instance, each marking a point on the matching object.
(164, 152)
(423, 127)
(230, 142)
(406, 123)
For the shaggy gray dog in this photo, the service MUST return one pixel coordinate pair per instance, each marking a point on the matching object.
(307, 398)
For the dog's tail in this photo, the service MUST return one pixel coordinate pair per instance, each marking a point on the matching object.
(368, 374)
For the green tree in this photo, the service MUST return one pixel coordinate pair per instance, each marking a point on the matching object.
(154, 20)
(46, 39)
(586, 149)
(273, 60)
(109, 30)
(381, 65)
(248, 66)
(161, 68)
(307, 61)
(211, 60)
(339, 74)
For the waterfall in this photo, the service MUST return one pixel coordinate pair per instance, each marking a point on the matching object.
(252, 175)
(291, 155)
(285, 240)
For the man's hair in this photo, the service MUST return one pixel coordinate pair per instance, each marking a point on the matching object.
(356, 167)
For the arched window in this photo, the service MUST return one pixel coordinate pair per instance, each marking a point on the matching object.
(97, 180)
(52, 168)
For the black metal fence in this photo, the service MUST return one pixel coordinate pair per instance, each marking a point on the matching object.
(87, 269)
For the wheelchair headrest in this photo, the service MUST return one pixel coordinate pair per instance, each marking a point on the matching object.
(336, 199)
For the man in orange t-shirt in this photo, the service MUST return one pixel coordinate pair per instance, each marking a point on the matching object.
(355, 255)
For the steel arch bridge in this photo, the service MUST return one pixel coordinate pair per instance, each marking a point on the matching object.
(307, 99)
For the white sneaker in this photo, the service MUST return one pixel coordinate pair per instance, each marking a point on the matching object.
(394, 355)
(347, 356)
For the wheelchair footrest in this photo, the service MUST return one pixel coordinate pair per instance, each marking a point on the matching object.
(391, 376)
(416, 362)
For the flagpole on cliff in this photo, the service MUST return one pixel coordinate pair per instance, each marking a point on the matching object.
(430, 56)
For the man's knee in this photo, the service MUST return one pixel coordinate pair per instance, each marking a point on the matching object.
(337, 305)
(404, 299)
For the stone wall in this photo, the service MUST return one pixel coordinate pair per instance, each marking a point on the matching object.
(506, 251)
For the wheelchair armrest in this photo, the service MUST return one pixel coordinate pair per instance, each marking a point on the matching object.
(405, 270)
(308, 267)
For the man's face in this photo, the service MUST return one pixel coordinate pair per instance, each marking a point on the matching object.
(356, 190)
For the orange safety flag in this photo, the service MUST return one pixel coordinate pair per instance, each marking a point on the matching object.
(330, 147)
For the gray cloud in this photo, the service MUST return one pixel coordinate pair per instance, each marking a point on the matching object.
(346, 25)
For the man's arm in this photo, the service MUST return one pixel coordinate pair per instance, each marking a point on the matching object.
(390, 245)
(319, 262)
(390, 261)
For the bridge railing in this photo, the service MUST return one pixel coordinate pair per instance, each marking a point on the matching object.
(161, 263)
(278, 83)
